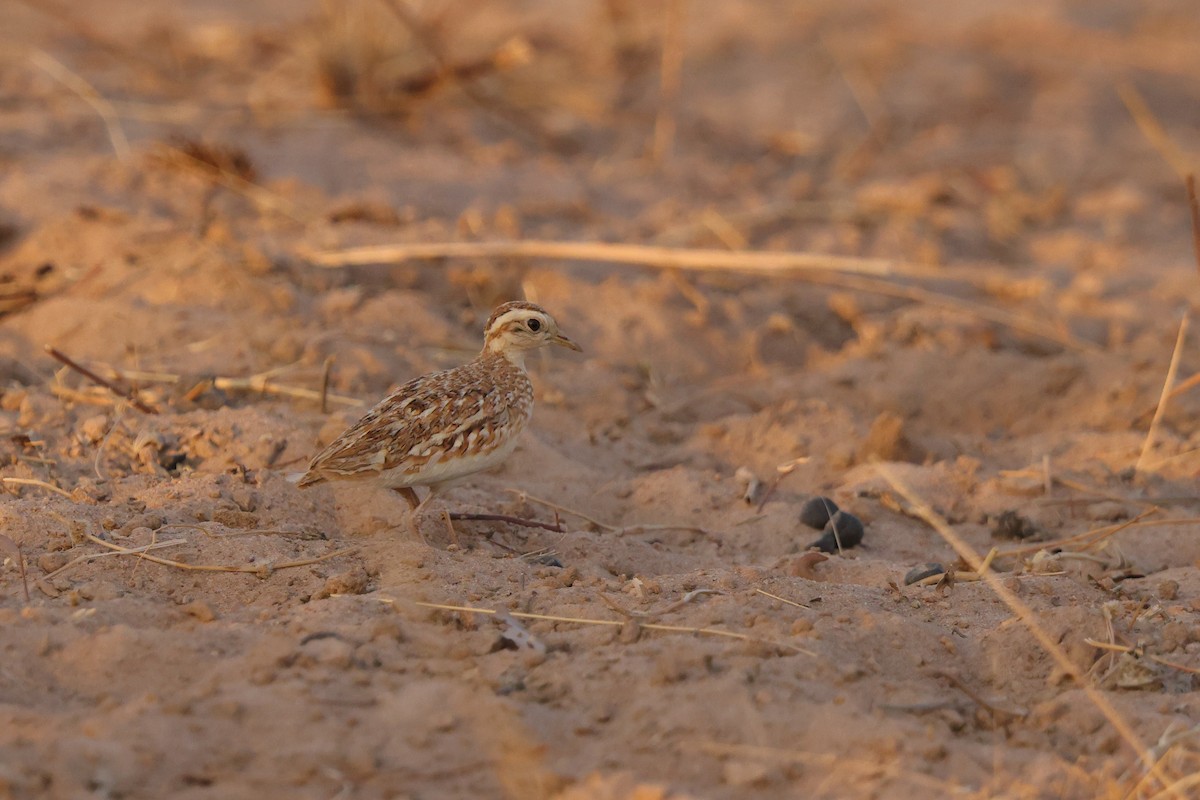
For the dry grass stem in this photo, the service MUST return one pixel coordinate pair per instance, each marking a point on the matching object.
(129, 395)
(670, 68)
(104, 109)
(1152, 129)
(617, 623)
(1120, 648)
(1029, 619)
(128, 551)
(809, 267)
(1091, 538)
(604, 526)
(261, 570)
(1168, 382)
(40, 484)
(555, 527)
(262, 383)
(781, 599)
(1194, 209)
(640, 255)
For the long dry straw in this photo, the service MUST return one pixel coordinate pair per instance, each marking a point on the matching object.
(1028, 617)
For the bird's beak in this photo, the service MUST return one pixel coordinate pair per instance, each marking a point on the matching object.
(567, 343)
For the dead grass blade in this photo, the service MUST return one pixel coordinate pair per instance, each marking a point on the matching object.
(14, 551)
(104, 109)
(1194, 208)
(810, 267)
(50, 487)
(129, 395)
(617, 623)
(642, 255)
(670, 67)
(1152, 129)
(128, 551)
(1168, 382)
(1030, 620)
(261, 570)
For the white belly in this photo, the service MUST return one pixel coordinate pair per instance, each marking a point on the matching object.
(439, 471)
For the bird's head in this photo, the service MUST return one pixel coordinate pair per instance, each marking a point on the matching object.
(517, 327)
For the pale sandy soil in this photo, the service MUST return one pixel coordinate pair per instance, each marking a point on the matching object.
(990, 143)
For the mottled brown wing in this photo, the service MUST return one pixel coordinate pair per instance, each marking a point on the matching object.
(417, 416)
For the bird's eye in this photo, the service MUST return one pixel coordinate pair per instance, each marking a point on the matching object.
(534, 325)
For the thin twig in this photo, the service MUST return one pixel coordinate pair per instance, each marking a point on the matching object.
(261, 570)
(325, 385)
(616, 623)
(261, 382)
(104, 109)
(1028, 617)
(781, 599)
(1151, 128)
(526, 523)
(1194, 208)
(670, 67)
(93, 556)
(810, 267)
(643, 255)
(1018, 713)
(35, 482)
(1168, 382)
(129, 395)
(604, 526)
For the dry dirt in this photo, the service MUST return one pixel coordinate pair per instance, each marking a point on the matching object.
(167, 171)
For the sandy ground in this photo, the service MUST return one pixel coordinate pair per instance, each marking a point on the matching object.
(168, 170)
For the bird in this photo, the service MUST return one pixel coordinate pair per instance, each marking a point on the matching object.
(442, 427)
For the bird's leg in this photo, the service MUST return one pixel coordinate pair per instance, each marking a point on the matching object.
(409, 494)
(450, 528)
(414, 510)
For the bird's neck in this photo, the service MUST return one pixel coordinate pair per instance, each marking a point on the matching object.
(511, 355)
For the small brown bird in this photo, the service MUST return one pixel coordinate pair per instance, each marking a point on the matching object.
(442, 427)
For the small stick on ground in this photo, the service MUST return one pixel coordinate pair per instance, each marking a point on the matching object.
(670, 67)
(35, 482)
(325, 385)
(104, 109)
(604, 526)
(262, 382)
(1151, 128)
(14, 551)
(810, 267)
(129, 394)
(1194, 207)
(617, 623)
(1017, 713)
(93, 556)
(781, 599)
(1031, 621)
(525, 523)
(1120, 648)
(262, 570)
(1168, 382)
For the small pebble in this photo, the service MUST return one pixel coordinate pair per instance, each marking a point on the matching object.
(922, 572)
(816, 512)
(849, 533)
